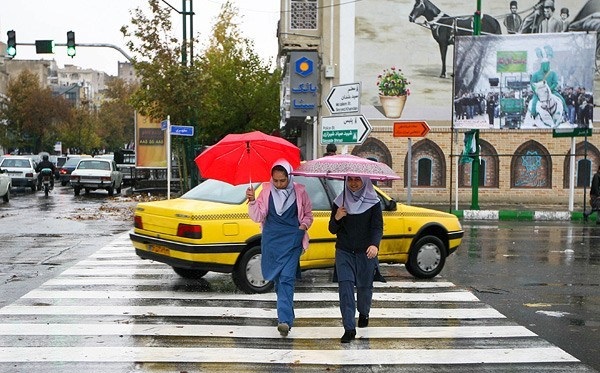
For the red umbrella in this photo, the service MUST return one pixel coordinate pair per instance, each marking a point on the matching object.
(246, 157)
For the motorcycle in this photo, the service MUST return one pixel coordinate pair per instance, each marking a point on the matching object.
(46, 175)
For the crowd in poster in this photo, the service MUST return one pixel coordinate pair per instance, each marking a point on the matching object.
(524, 81)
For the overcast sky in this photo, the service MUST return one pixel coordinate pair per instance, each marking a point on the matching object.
(99, 21)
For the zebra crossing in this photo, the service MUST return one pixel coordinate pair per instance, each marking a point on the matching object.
(114, 312)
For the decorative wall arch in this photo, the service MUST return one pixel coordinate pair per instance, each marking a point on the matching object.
(531, 166)
(592, 154)
(490, 178)
(377, 150)
(430, 150)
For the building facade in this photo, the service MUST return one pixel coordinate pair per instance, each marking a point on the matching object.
(355, 41)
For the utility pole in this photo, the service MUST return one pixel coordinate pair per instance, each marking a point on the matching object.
(475, 163)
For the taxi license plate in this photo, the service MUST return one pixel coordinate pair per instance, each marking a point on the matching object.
(159, 249)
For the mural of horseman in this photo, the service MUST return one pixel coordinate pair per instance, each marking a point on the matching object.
(444, 27)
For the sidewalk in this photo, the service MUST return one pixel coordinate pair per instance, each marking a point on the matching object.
(522, 215)
(518, 212)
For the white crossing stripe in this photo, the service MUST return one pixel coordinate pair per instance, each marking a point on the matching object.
(248, 312)
(454, 296)
(243, 331)
(286, 356)
(131, 281)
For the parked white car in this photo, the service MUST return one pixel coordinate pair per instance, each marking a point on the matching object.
(5, 185)
(21, 171)
(96, 173)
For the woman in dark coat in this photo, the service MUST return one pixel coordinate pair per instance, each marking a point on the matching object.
(357, 220)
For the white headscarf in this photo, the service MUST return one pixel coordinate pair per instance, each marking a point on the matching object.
(359, 201)
(283, 198)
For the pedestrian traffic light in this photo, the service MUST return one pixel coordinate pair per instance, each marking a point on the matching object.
(70, 44)
(11, 44)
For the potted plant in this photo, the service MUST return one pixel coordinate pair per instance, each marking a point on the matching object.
(393, 90)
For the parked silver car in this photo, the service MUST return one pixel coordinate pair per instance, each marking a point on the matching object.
(5, 185)
(21, 171)
(96, 173)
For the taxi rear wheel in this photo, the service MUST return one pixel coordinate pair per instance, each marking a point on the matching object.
(247, 274)
(190, 272)
(426, 258)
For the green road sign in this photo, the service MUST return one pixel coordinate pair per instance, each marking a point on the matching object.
(340, 136)
(571, 132)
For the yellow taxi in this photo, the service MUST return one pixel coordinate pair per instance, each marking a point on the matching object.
(208, 229)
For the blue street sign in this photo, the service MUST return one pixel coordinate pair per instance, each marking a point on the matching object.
(182, 130)
(163, 125)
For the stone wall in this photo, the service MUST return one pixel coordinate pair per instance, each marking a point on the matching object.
(443, 148)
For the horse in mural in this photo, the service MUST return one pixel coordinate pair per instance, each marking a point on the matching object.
(444, 28)
(549, 108)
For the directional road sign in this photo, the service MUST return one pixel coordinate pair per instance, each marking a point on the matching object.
(571, 132)
(182, 130)
(344, 99)
(411, 128)
(348, 129)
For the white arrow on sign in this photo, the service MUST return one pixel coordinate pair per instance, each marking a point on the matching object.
(344, 99)
(348, 129)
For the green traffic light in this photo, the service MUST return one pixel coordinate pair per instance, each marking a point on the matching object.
(11, 43)
(71, 44)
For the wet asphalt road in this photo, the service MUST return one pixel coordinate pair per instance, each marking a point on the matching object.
(544, 276)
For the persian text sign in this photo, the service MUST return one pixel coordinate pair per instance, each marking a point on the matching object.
(413, 128)
(350, 129)
(344, 99)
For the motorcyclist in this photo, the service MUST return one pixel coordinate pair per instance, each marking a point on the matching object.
(45, 163)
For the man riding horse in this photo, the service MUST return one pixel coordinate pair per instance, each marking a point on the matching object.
(547, 77)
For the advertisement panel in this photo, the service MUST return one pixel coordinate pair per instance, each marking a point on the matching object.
(150, 143)
(418, 37)
(524, 81)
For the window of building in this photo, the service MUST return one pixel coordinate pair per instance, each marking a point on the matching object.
(488, 168)
(424, 172)
(586, 156)
(531, 166)
(428, 168)
(584, 173)
(303, 14)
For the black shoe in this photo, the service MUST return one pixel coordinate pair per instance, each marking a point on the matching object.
(348, 336)
(363, 321)
(283, 329)
(379, 277)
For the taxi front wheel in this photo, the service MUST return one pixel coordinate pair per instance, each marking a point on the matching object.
(247, 274)
(426, 258)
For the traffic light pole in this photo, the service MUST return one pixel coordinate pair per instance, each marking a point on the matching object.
(93, 45)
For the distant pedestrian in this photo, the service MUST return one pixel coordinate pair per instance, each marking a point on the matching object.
(330, 150)
(595, 196)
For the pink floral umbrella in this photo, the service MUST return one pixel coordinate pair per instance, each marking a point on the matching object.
(341, 165)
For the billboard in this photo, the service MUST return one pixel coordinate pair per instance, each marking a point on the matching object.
(419, 37)
(150, 146)
(524, 81)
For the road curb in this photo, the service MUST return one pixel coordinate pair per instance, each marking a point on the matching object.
(521, 215)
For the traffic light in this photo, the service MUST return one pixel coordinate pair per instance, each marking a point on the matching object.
(11, 44)
(71, 44)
